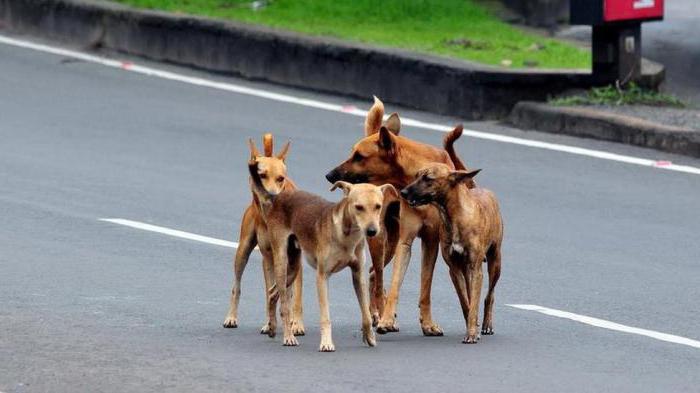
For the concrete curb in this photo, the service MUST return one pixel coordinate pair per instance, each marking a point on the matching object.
(434, 84)
(590, 123)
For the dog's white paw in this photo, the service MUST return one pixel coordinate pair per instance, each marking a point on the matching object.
(298, 328)
(231, 322)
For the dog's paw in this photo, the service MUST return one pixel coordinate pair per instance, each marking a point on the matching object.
(387, 326)
(375, 319)
(231, 322)
(269, 329)
(298, 328)
(326, 347)
(265, 329)
(369, 338)
(432, 330)
(470, 339)
(290, 341)
(487, 330)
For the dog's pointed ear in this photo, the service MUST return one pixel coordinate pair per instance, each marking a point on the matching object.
(267, 145)
(389, 191)
(374, 117)
(282, 155)
(253, 150)
(393, 123)
(457, 177)
(343, 185)
(386, 140)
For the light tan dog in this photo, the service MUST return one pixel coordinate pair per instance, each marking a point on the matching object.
(273, 176)
(332, 237)
(384, 156)
(473, 233)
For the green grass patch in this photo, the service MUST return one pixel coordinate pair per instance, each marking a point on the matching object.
(614, 95)
(454, 28)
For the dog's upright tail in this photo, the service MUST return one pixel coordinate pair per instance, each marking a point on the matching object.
(448, 145)
(264, 197)
(267, 145)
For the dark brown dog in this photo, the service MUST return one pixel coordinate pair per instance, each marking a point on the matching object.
(473, 233)
(383, 156)
(254, 233)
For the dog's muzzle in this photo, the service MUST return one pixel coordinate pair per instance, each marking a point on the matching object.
(371, 232)
(333, 176)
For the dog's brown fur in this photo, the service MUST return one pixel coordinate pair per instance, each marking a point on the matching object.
(332, 236)
(254, 232)
(383, 156)
(473, 233)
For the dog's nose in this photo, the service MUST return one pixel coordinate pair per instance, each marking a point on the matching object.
(404, 193)
(333, 176)
(371, 232)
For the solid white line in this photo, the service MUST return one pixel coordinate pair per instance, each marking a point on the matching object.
(171, 232)
(602, 323)
(350, 110)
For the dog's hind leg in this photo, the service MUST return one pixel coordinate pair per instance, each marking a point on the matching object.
(493, 257)
(246, 245)
(430, 245)
(360, 285)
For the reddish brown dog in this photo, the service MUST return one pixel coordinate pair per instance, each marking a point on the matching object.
(383, 156)
(254, 232)
(473, 233)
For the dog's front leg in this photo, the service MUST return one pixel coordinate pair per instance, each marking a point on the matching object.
(279, 251)
(360, 285)
(247, 242)
(408, 233)
(430, 244)
(376, 277)
(474, 281)
(322, 288)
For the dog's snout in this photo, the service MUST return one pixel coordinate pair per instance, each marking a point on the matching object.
(333, 176)
(404, 193)
(371, 232)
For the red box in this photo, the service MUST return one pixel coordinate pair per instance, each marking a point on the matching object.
(619, 10)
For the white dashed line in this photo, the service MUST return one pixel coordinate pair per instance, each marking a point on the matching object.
(602, 323)
(346, 109)
(171, 232)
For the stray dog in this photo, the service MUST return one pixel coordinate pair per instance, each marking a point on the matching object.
(273, 174)
(473, 233)
(332, 236)
(383, 156)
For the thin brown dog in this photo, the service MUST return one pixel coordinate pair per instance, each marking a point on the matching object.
(254, 232)
(473, 233)
(332, 237)
(383, 156)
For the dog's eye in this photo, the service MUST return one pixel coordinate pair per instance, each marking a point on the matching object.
(359, 208)
(377, 207)
(357, 157)
(280, 179)
(263, 176)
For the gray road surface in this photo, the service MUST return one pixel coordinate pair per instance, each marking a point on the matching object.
(88, 306)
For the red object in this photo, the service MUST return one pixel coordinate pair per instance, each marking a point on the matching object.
(617, 10)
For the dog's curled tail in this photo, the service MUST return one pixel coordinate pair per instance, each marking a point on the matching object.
(448, 145)
(264, 197)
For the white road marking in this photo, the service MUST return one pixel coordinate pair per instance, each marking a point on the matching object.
(602, 323)
(171, 232)
(347, 109)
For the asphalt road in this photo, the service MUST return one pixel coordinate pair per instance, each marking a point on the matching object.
(91, 306)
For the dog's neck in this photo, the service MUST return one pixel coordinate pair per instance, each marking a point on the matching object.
(456, 207)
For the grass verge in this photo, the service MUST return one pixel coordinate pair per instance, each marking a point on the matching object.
(454, 28)
(614, 95)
